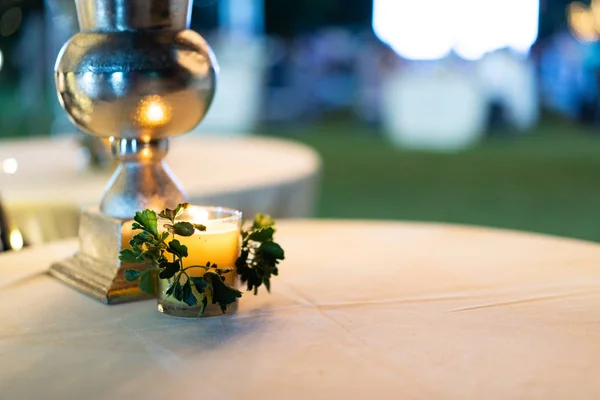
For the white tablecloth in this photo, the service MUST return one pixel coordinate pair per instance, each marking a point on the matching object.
(254, 174)
(361, 310)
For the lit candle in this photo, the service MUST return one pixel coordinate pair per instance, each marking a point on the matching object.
(219, 244)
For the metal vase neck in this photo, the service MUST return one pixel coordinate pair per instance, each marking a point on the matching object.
(141, 181)
(132, 15)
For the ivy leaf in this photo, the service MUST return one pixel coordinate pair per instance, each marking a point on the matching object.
(132, 275)
(188, 295)
(272, 250)
(262, 235)
(199, 284)
(148, 282)
(175, 247)
(242, 262)
(200, 227)
(142, 238)
(171, 215)
(181, 208)
(181, 228)
(223, 271)
(223, 294)
(149, 253)
(204, 304)
(169, 269)
(129, 256)
(262, 221)
(148, 221)
(178, 291)
(169, 291)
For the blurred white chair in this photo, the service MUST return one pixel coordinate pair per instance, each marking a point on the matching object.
(510, 80)
(236, 107)
(438, 108)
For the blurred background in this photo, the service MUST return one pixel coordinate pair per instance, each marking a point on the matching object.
(480, 112)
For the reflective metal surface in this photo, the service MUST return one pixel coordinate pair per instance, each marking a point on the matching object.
(136, 72)
(121, 15)
(137, 75)
(96, 269)
(141, 181)
(136, 84)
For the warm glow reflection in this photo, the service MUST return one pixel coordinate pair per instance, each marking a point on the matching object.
(153, 112)
(584, 21)
(16, 239)
(198, 215)
(10, 166)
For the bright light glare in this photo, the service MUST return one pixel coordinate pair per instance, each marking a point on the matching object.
(430, 30)
(198, 215)
(10, 166)
(16, 239)
(153, 112)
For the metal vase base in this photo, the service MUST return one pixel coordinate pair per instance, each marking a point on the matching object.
(95, 269)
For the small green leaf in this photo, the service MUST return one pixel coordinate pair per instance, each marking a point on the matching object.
(178, 291)
(171, 215)
(188, 295)
(181, 208)
(148, 221)
(169, 269)
(241, 262)
(262, 235)
(273, 250)
(129, 256)
(175, 247)
(132, 275)
(223, 294)
(200, 227)
(262, 221)
(169, 291)
(166, 214)
(148, 282)
(142, 238)
(267, 283)
(223, 271)
(199, 284)
(204, 303)
(181, 228)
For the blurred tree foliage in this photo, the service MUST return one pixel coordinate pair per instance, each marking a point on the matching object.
(287, 18)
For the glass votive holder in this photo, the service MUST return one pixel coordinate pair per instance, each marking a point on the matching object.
(219, 244)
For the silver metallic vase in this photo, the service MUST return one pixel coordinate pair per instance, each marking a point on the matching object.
(137, 75)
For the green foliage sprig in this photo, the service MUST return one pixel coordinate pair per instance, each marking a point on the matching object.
(258, 261)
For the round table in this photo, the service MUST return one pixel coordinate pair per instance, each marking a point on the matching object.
(45, 195)
(361, 310)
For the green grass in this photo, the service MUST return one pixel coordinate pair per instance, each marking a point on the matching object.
(547, 180)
